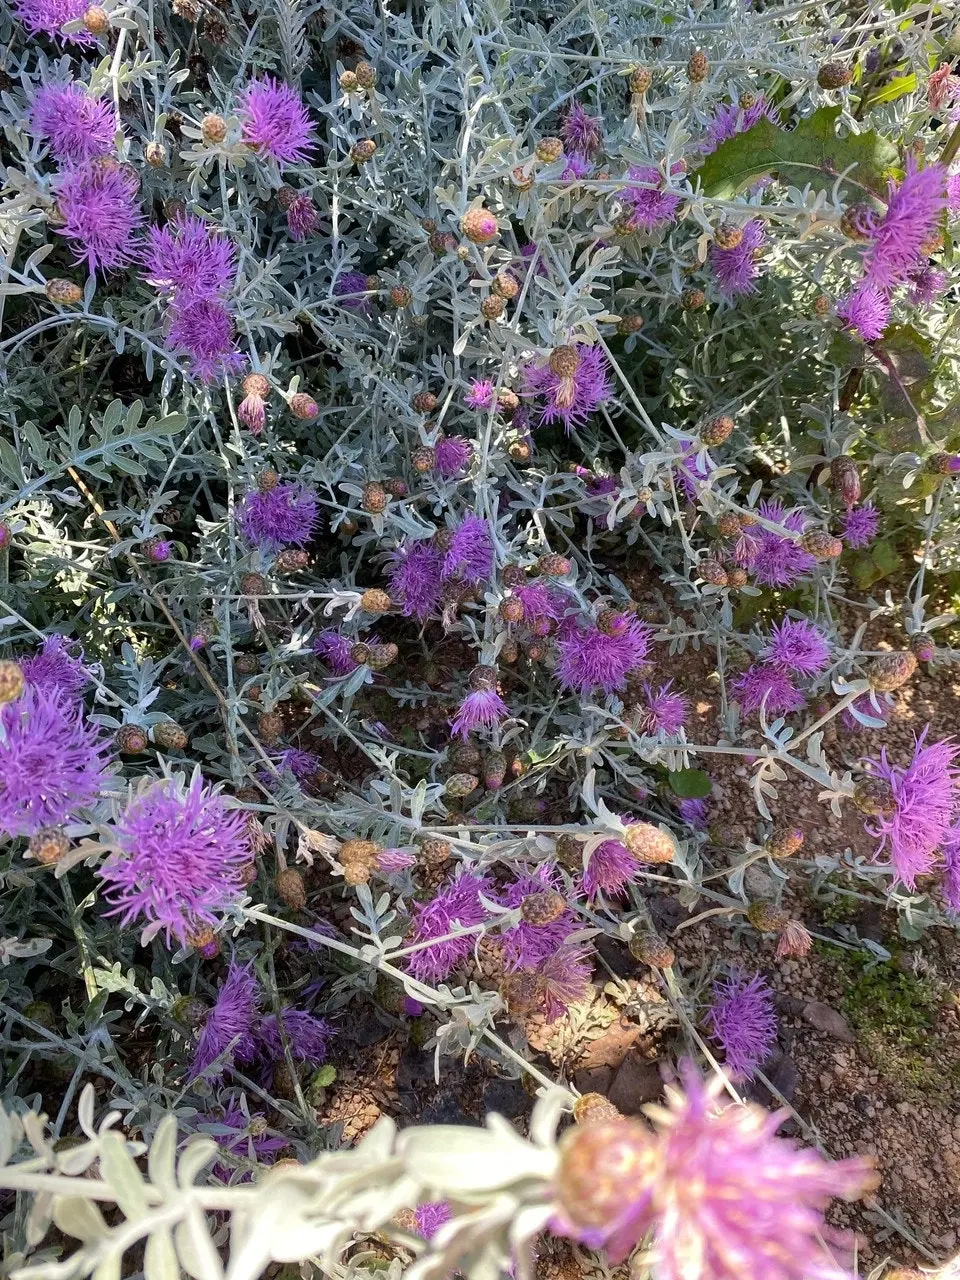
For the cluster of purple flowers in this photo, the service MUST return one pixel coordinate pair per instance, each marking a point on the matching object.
(591, 659)
(418, 570)
(795, 647)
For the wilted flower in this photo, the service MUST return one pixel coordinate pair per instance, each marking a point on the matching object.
(581, 132)
(336, 651)
(564, 979)
(481, 708)
(189, 260)
(284, 516)
(569, 398)
(55, 669)
(610, 868)
(651, 206)
(795, 644)
(867, 310)
(77, 127)
(794, 940)
(859, 526)
(470, 554)
(415, 570)
(230, 1023)
(527, 945)
(743, 1020)
(456, 905)
(480, 394)
(762, 686)
(591, 660)
(309, 1037)
(100, 212)
(736, 269)
(203, 330)
(664, 711)
(913, 211)
(276, 123)
(181, 858)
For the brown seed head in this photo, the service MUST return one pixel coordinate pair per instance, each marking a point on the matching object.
(374, 498)
(170, 736)
(564, 361)
(381, 656)
(374, 600)
(521, 992)
(291, 560)
(63, 291)
(435, 853)
(255, 384)
(728, 525)
(651, 949)
(554, 566)
(401, 296)
(254, 584)
(291, 889)
(155, 154)
(505, 285)
(549, 150)
(492, 307)
(594, 1108)
(508, 402)
(737, 577)
(96, 20)
(424, 402)
(360, 851)
(698, 68)
(363, 151)
(269, 726)
(511, 610)
(648, 843)
(834, 75)
(693, 299)
(521, 179)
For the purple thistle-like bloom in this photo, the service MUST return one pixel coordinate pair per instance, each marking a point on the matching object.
(869, 704)
(867, 310)
(591, 660)
(913, 211)
(470, 554)
(736, 269)
(951, 871)
(569, 400)
(276, 123)
(99, 208)
(576, 167)
(953, 192)
(541, 604)
(456, 904)
(431, 1216)
(743, 1019)
(336, 651)
(415, 577)
(480, 709)
(795, 644)
(693, 470)
(453, 453)
(925, 796)
(309, 1037)
(392, 861)
(694, 813)
(775, 560)
(250, 1142)
(76, 126)
(304, 765)
(722, 1197)
(859, 526)
(565, 977)
(55, 669)
(48, 17)
(581, 132)
(926, 285)
(651, 205)
(610, 868)
(302, 218)
(732, 119)
(284, 516)
(665, 711)
(480, 394)
(526, 945)
(348, 287)
(52, 761)
(189, 260)
(203, 330)
(230, 1023)
(765, 687)
(181, 860)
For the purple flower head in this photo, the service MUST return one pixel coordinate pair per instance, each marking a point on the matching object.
(304, 765)
(189, 260)
(55, 669)
(866, 310)
(335, 650)
(897, 240)
(541, 604)
(951, 871)
(665, 711)
(693, 470)
(777, 560)
(350, 288)
(732, 119)
(925, 797)
(859, 526)
(76, 126)
(203, 330)
(569, 399)
(302, 218)
(480, 394)
(415, 571)
(736, 269)
(565, 977)
(765, 687)
(526, 945)
(743, 1020)
(795, 644)
(453, 454)
(100, 211)
(309, 1037)
(181, 857)
(610, 868)
(926, 285)
(480, 709)
(431, 1216)
(52, 761)
(276, 124)
(230, 1023)
(651, 205)
(249, 1141)
(953, 192)
(49, 17)
(581, 132)
(694, 813)
(456, 904)
(576, 167)
(470, 554)
(591, 660)
(872, 704)
(284, 516)
(392, 861)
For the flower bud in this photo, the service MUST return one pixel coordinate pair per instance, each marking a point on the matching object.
(651, 949)
(821, 545)
(155, 154)
(479, 226)
(845, 480)
(717, 432)
(549, 150)
(728, 525)
(63, 291)
(424, 402)
(600, 1167)
(554, 566)
(943, 464)
(156, 549)
(374, 498)
(363, 151)
(434, 852)
(875, 798)
(366, 74)
(213, 129)
(461, 784)
(254, 584)
(891, 671)
(401, 296)
(737, 577)
(291, 889)
(189, 1011)
(713, 572)
(923, 647)
(494, 770)
(397, 487)
(543, 908)
(49, 845)
(627, 325)
(348, 81)
(492, 308)
(291, 560)
(698, 68)
(834, 75)
(505, 285)
(521, 992)
(304, 407)
(648, 843)
(640, 80)
(766, 917)
(131, 739)
(374, 600)
(511, 610)
(594, 1108)
(727, 236)
(380, 656)
(423, 459)
(170, 736)
(96, 20)
(693, 299)
(521, 179)
(785, 842)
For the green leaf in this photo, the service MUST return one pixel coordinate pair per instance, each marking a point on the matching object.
(325, 1077)
(896, 88)
(880, 561)
(689, 784)
(812, 153)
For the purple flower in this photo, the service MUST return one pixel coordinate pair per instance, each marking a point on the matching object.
(481, 708)
(795, 644)
(480, 394)
(732, 119)
(925, 800)
(250, 1141)
(99, 208)
(913, 211)
(652, 205)
(55, 669)
(576, 167)
(867, 310)
(526, 945)
(926, 285)
(276, 123)
(203, 330)
(230, 1023)
(302, 217)
(868, 704)
(284, 516)
(415, 577)
(392, 861)
(304, 765)
(309, 1037)
(52, 761)
(693, 470)
(190, 260)
(77, 126)
(48, 17)
(565, 979)
(453, 453)
(431, 1216)
(572, 398)
(581, 132)
(610, 868)
(951, 871)
(541, 604)
(181, 857)
(765, 687)
(776, 560)
(470, 554)
(694, 813)
(591, 660)
(953, 192)
(743, 1020)
(336, 651)
(456, 905)
(859, 526)
(665, 711)
(736, 269)
(351, 289)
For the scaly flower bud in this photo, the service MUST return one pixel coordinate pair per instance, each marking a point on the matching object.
(543, 908)
(785, 842)
(891, 671)
(766, 917)
(833, 75)
(290, 888)
(698, 68)
(845, 480)
(923, 647)
(63, 291)
(594, 1108)
(717, 432)
(821, 545)
(648, 843)
(651, 949)
(49, 845)
(11, 681)
(479, 226)
(131, 739)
